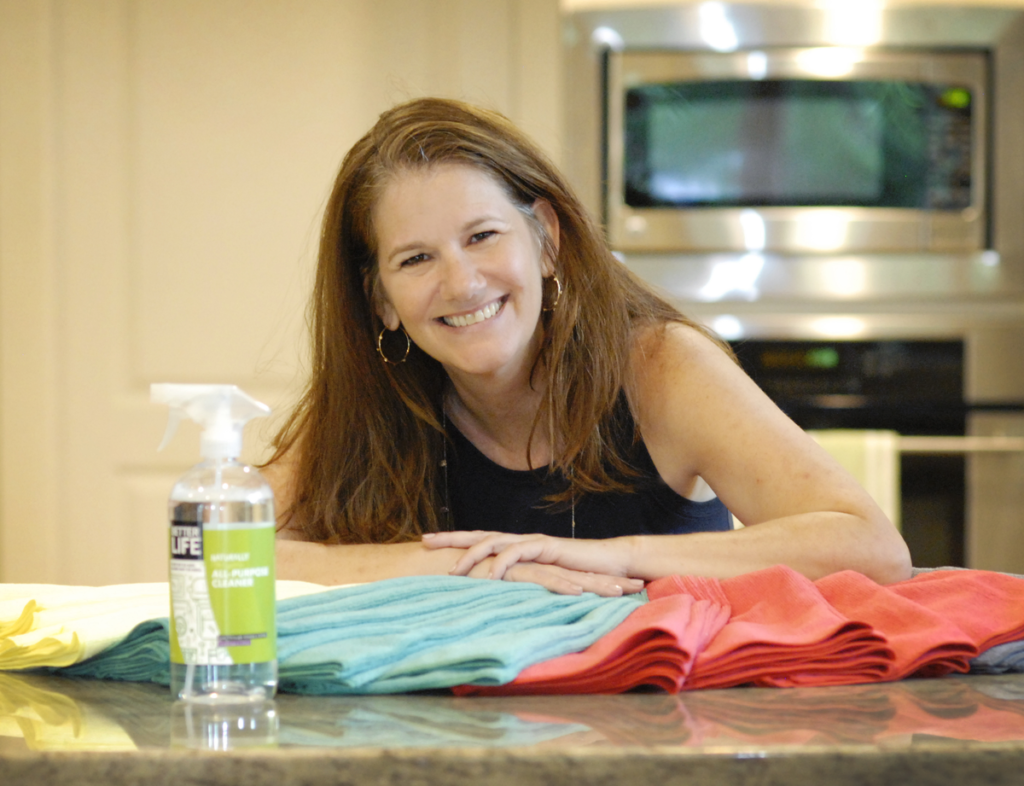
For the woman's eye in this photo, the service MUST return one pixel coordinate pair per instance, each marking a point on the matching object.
(413, 260)
(482, 236)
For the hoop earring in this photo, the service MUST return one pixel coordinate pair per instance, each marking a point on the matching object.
(558, 295)
(380, 348)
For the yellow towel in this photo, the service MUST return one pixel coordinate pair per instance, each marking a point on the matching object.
(55, 625)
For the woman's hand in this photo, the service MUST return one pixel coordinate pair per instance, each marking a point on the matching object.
(359, 563)
(567, 582)
(594, 566)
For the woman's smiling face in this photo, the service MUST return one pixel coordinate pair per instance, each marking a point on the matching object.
(461, 269)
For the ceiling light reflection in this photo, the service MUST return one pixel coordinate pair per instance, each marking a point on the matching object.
(752, 224)
(845, 277)
(716, 29)
(857, 22)
(727, 327)
(757, 65)
(829, 61)
(839, 327)
(609, 37)
(734, 277)
(823, 230)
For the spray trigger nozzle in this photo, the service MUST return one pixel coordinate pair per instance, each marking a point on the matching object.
(173, 419)
(221, 410)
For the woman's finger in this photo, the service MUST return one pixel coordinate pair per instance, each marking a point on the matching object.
(602, 557)
(572, 582)
(550, 580)
(519, 548)
(588, 566)
(493, 543)
(523, 551)
(608, 586)
(460, 540)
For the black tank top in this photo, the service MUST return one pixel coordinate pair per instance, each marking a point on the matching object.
(484, 495)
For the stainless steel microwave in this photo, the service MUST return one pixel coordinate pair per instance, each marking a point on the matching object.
(809, 149)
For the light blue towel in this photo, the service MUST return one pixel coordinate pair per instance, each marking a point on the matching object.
(1001, 659)
(406, 634)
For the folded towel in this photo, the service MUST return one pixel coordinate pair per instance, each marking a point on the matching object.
(420, 633)
(844, 629)
(985, 605)
(405, 634)
(782, 633)
(144, 655)
(46, 625)
(924, 642)
(994, 659)
(654, 647)
(1001, 659)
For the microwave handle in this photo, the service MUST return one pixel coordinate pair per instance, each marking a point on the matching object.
(956, 445)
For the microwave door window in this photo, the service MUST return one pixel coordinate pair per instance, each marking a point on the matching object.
(797, 143)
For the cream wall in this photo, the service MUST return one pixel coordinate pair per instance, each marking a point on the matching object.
(163, 164)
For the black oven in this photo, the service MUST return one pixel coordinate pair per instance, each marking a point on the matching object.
(914, 388)
(911, 387)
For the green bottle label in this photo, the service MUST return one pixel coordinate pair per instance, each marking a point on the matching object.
(222, 593)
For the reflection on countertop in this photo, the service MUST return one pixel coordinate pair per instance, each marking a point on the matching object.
(54, 714)
(955, 730)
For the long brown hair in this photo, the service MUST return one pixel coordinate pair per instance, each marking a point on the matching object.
(368, 434)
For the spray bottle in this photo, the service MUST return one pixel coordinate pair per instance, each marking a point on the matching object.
(222, 625)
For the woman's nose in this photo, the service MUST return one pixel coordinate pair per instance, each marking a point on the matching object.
(463, 279)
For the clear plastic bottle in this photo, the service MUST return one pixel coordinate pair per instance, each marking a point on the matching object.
(222, 630)
(234, 507)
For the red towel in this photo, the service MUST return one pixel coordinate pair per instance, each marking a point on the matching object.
(925, 642)
(784, 633)
(776, 628)
(937, 621)
(654, 646)
(846, 629)
(987, 606)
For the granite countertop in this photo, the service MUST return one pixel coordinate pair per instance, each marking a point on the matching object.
(955, 730)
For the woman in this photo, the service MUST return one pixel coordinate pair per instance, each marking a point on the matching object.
(482, 362)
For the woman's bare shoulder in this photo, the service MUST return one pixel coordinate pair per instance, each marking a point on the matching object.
(674, 353)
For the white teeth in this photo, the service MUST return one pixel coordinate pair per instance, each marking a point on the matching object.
(466, 320)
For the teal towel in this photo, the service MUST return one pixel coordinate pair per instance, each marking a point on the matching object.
(143, 656)
(406, 634)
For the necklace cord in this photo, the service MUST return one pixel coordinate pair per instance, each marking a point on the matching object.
(446, 509)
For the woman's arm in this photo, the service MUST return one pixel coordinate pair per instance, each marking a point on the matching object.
(354, 564)
(300, 560)
(702, 417)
